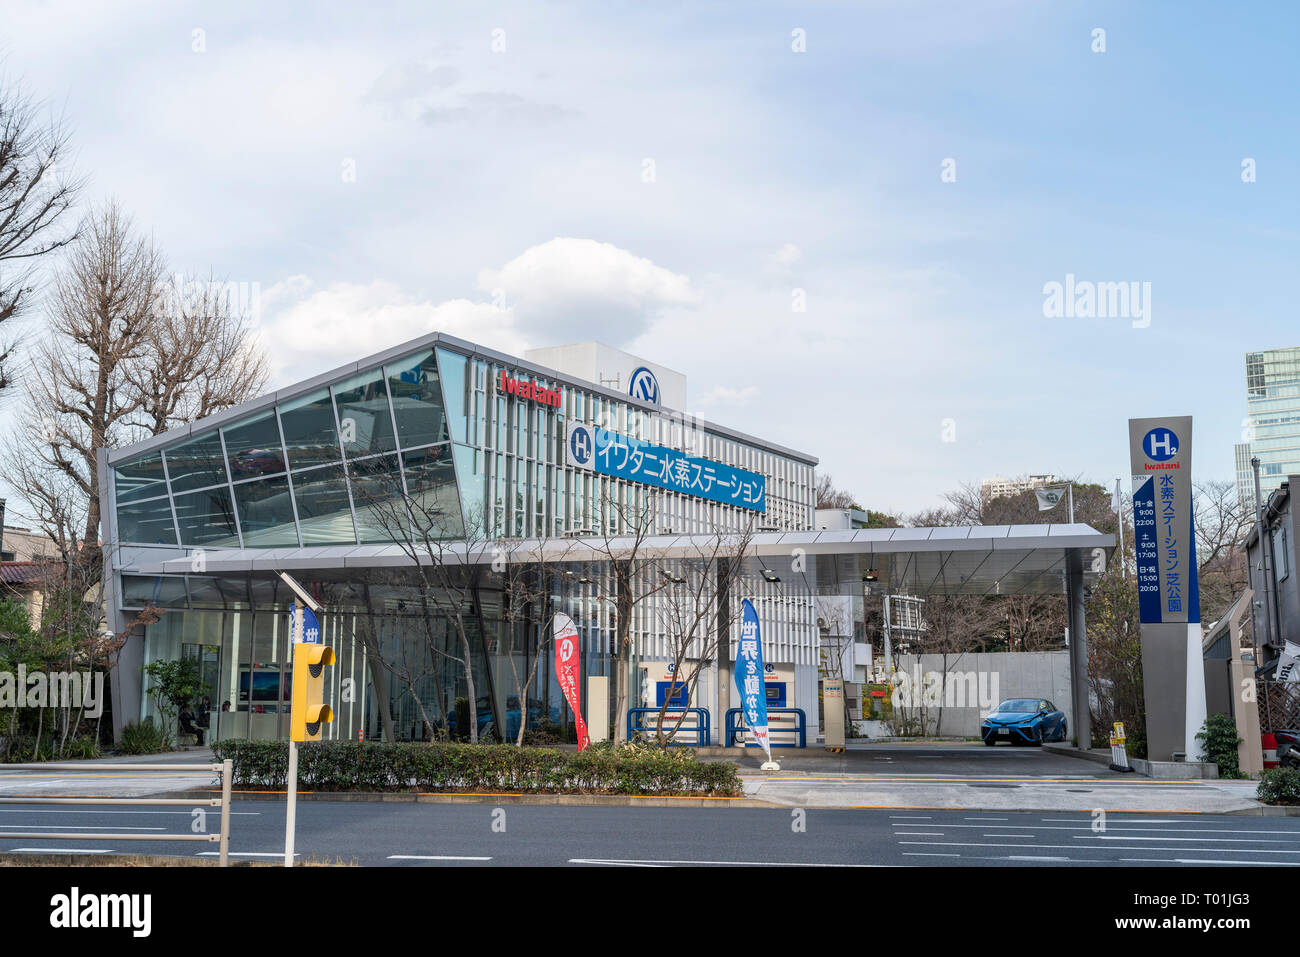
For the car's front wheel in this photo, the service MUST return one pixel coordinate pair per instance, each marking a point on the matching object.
(991, 740)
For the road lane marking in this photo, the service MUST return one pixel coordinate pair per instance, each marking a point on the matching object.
(96, 810)
(1078, 847)
(651, 863)
(922, 833)
(1191, 860)
(1081, 826)
(1228, 840)
(58, 850)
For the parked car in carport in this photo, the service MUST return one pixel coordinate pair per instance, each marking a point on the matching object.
(1024, 721)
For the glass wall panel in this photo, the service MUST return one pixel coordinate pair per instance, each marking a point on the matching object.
(160, 590)
(324, 515)
(417, 400)
(364, 417)
(147, 523)
(455, 392)
(309, 432)
(227, 592)
(379, 500)
(254, 447)
(207, 518)
(142, 478)
(197, 463)
(431, 485)
(266, 513)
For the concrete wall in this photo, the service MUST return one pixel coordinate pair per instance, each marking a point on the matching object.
(1031, 674)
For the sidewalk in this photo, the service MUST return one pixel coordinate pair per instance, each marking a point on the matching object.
(972, 777)
(109, 777)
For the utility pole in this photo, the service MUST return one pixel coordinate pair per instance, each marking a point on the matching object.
(1119, 501)
(1264, 557)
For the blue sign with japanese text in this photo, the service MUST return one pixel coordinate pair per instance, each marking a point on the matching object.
(310, 626)
(749, 677)
(1164, 526)
(638, 461)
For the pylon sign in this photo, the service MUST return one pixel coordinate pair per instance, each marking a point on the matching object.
(1169, 605)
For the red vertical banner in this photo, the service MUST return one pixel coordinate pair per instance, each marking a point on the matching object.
(565, 634)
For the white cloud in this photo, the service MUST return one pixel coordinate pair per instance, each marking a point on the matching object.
(568, 290)
(308, 334)
(559, 291)
(785, 258)
(724, 395)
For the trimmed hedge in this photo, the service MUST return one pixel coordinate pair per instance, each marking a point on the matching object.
(1279, 786)
(373, 766)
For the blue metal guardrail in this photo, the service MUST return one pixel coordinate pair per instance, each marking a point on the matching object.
(637, 730)
(733, 726)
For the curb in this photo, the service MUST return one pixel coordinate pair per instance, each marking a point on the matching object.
(431, 797)
(1268, 810)
(116, 860)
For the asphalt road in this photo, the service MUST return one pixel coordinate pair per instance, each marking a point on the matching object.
(410, 834)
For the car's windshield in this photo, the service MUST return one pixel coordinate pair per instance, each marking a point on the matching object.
(1019, 704)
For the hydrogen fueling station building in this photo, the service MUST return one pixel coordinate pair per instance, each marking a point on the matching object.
(442, 501)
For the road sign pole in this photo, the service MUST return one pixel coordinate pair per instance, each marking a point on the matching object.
(291, 798)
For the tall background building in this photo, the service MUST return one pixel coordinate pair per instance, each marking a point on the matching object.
(1272, 424)
(997, 487)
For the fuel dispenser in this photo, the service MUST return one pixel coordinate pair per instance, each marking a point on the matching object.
(670, 686)
(778, 689)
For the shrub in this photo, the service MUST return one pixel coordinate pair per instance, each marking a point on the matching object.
(545, 733)
(142, 737)
(1279, 786)
(83, 748)
(375, 766)
(1219, 734)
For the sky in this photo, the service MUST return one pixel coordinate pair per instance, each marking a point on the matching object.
(839, 220)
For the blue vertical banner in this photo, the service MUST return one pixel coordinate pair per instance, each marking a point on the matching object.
(749, 678)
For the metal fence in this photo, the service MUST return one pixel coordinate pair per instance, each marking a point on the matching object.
(1279, 705)
(222, 770)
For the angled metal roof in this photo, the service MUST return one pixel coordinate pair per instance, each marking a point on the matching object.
(427, 341)
(982, 559)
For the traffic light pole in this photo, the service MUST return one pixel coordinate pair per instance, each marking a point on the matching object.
(291, 798)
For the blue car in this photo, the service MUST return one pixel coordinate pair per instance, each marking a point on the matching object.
(1024, 721)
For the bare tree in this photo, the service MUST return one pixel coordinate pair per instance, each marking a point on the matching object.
(826, 495)
(79, 395)
(955, 624)
(115, 365)
(1221, 523)
(444, 549)
(625, 576)
(196, 358)
(692, 616)
(521, 577)
(35, 193)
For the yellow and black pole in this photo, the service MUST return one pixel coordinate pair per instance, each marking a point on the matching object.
(308, 711)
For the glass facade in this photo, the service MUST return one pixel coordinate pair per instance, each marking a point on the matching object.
(426, 448)
(1272, 426)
